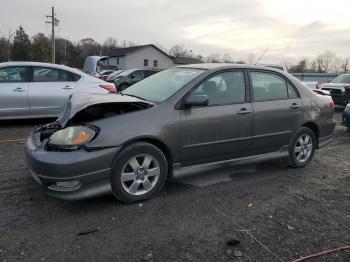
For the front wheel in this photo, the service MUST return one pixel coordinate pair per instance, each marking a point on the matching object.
(139, 172)
(302, 148)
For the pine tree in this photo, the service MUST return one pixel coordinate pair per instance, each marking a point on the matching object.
(21, 47)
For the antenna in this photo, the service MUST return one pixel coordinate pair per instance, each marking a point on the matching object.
(261, 57)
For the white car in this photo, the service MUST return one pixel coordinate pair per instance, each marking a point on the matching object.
(37, 90)
(275, 66)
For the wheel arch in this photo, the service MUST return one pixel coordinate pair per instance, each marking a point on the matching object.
(314, 128)
(157, 143)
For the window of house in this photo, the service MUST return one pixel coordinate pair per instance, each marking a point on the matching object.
(267, 86)
(145, 62)
(223, 88)
(155, 63)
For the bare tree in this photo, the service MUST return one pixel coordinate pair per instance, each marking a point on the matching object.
(345, 65)
(213, 58)
(180, 51)
(226, 58)
(325, 61)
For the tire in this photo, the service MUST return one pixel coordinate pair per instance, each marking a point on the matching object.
(122, 87)
(136, 181)
(305, 141)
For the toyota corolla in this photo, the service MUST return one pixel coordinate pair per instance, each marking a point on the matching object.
(194, 115)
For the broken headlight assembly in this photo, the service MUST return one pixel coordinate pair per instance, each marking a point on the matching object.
(71, 138)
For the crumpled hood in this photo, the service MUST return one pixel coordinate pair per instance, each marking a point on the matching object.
(80, 101)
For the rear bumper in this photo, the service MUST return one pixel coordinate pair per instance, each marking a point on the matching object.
(72, 175)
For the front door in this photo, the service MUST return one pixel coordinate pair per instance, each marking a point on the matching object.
(223, 129)
(13, 91)
(278, 111)
(49, 90)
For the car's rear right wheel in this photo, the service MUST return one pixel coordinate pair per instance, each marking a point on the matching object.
(302, 148)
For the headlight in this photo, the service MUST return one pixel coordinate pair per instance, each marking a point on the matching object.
(348, 106)
(72, 136)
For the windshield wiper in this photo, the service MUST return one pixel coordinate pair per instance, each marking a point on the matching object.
(133, 96)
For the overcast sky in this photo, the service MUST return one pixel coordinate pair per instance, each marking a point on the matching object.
(289, 29)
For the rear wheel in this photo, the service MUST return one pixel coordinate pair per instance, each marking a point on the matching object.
(302, 148)
(139, 172)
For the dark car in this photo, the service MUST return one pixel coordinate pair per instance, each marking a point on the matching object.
(346, 117)
(339, 88)
(130, 77)
(195, 115)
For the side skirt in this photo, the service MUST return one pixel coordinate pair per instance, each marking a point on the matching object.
(179, 171)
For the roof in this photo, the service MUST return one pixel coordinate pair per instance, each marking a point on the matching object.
(185, 60)
(210, 66)
(28, 63)
(128, 50)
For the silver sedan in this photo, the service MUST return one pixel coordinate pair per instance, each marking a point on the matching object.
(35, 90)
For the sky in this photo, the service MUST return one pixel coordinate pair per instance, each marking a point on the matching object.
(244, 29)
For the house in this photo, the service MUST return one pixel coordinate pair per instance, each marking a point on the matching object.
(142, 57)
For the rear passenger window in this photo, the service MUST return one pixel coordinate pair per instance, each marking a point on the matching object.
(224, 88)
(292, 93)
(267, 86)
(46, 74)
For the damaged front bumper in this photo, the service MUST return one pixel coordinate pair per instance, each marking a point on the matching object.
(73, 175)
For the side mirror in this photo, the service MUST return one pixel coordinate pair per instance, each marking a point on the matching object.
(132, 76)
(197, 100)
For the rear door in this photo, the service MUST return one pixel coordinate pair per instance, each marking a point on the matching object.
(223, 129)
(278, 111)
(14, 91)
(49, 90)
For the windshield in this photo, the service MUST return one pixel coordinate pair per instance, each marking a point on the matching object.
(341, 79)
(161, 86)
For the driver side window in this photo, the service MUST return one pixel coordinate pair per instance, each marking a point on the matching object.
(223, 89)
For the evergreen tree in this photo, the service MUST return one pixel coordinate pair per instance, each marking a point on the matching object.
(21, 47)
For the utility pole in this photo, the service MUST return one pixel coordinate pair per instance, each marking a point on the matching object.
(54, 22)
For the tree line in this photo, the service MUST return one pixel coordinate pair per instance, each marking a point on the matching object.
(19, 46)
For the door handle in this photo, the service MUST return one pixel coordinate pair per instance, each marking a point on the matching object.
(295, 106)
(19, 89)
(67, 87)
(244, 111)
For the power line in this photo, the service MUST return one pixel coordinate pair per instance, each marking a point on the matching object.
(54, 22)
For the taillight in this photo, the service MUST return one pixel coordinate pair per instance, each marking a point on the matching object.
(331, 105)
(111, 88)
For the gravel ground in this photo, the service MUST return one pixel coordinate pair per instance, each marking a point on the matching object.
(293, 212)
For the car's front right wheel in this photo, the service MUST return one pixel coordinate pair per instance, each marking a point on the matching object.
(302, 148)
(139, 172)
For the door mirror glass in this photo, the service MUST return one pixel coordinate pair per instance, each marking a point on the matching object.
(197, 100)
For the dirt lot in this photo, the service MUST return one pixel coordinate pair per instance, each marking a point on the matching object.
(292, 212)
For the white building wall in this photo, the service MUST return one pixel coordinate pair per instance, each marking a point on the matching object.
(114, 61)
(136, 59)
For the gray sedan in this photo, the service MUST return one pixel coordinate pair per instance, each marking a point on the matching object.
(195, 115)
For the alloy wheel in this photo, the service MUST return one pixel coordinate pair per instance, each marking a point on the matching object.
(140, 174)
(303, 148)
